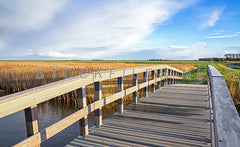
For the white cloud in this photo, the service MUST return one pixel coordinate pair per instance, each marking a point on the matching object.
(194, 51)
(56, 54)
(113, 25)
(27, 14)
(178, 47)
(211, 16)
(218, 32)
(223, 36)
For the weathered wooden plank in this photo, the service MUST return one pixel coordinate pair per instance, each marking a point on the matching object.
(31, 117)
(153, 78)
(48, 132)
(97, 97)
(180, 127)
(120, 100)
(153, 135)
(81, 99)
(226, 119)
(157, 79)
(161, 129)
(134, 94)
(175, 129)
(145, 89)
(111, 142)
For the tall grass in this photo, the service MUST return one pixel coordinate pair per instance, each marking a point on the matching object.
(19, 76)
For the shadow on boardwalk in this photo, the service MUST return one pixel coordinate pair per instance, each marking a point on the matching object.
(176, 115)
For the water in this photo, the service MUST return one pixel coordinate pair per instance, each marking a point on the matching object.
(13, 127)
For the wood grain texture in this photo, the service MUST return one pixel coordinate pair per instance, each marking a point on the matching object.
(82, 102)
(226, 119)
(153, 123)
(31, 117)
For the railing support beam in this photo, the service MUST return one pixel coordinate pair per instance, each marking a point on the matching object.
(81, 99)
(145, 89)
(120, 101)
(31, 117)
(134, 94)
(153, 77)
(158, 76)
(98, 96)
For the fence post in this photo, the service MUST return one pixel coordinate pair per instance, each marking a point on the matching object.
(152, 78)
(145, 89)
(98, 96)
(82, 102)
(158, 76)
(31, 117)
(166, 73)
(163, 74)
(134, 94)
(120, 100)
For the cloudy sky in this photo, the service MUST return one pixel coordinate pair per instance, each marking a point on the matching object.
(118, 29)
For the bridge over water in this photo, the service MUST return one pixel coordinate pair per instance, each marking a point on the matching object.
(169, 114)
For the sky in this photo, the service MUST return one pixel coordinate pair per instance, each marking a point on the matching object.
(118, 29)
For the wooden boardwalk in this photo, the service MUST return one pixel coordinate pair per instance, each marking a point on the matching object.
(176, 115)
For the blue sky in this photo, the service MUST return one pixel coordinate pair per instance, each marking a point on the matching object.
(118, 29)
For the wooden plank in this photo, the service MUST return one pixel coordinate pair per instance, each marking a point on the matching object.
(102, 141)
(153, 135)
(226, 119)
(145, 89)
(120, 100)
(31, 117)
(161, 129)
(50, 131)
(19, 102)
(134, 94)
(165, 75)
(175, 129)
(158, 77)
(98, 96)
(153, 78)
(81, 99)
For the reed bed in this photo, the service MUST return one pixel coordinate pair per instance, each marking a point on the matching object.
(19, 76)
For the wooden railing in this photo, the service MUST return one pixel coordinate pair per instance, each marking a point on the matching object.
(27, 100)
(225, 122)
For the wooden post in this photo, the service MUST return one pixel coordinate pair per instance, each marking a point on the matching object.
(82, 102)
(31, 117)
(166, 73)
(98, 96)
(134, 94)
(153, 77)
(120, 100)
(158, 76)
(145, 89)
(163, 74)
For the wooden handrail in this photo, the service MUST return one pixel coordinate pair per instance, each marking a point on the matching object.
(226, 122)
(25, 100)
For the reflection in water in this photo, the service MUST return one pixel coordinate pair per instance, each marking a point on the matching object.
(13, 127)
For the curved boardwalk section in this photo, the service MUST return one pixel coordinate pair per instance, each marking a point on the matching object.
(176, 115)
